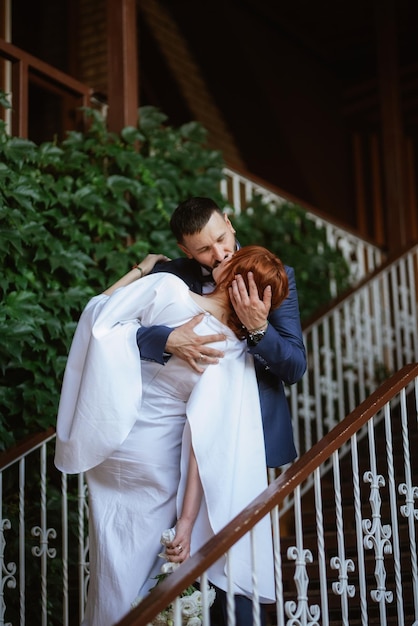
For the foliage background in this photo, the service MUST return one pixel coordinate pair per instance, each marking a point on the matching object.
(76, 215)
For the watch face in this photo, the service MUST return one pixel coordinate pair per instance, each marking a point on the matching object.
(256, 337)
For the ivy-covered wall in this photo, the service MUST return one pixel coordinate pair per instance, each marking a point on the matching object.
(74, 217)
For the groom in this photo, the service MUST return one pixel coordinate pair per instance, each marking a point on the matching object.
(206, 236)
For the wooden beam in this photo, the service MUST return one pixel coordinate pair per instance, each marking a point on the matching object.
(412, 186)
(361, 222)
(122, 55)
(20, 99)
(379, 235)
(394, 160)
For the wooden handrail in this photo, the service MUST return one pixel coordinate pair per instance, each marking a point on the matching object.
(27, 68)
(16, 55)
(29, 443)
(304, 204)
(161, 596)
(379, 271)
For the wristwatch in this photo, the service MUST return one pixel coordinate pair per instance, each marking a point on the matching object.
(256, 335)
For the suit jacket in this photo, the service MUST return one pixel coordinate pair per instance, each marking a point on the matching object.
(279, 358)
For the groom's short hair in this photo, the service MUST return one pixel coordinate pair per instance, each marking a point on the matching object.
(191, 216)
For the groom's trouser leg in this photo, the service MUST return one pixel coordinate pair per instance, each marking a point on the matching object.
(243, 610)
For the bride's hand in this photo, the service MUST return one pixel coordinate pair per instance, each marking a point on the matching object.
(147, 264)
(179, 549)
(137, 271)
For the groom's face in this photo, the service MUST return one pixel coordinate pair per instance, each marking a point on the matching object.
(213, 243)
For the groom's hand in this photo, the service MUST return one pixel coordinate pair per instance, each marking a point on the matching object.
(184, 343)
(250, 309)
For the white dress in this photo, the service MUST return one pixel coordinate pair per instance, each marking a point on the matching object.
(121, 420)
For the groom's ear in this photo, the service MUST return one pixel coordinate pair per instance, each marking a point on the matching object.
(185, 250)
(228, 223)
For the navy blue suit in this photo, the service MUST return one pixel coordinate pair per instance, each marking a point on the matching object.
(279, 358)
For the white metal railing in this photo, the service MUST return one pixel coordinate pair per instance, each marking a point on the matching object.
(43, 540)
(367, 336)
(346, 552)
(362, 256)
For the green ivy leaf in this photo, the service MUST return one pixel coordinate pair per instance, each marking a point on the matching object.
(131, 134)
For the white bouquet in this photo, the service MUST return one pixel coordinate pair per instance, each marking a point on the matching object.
(190, 599)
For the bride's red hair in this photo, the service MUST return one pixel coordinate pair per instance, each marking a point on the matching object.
(267, 269)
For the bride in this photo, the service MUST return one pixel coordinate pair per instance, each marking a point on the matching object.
(134, 427)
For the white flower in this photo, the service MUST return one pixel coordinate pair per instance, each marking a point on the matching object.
(160, 620)
(190, 605)
(168, 536)
(169, 567)
(190, 600)
(198, 597)
(194, 621)
(211, 595)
